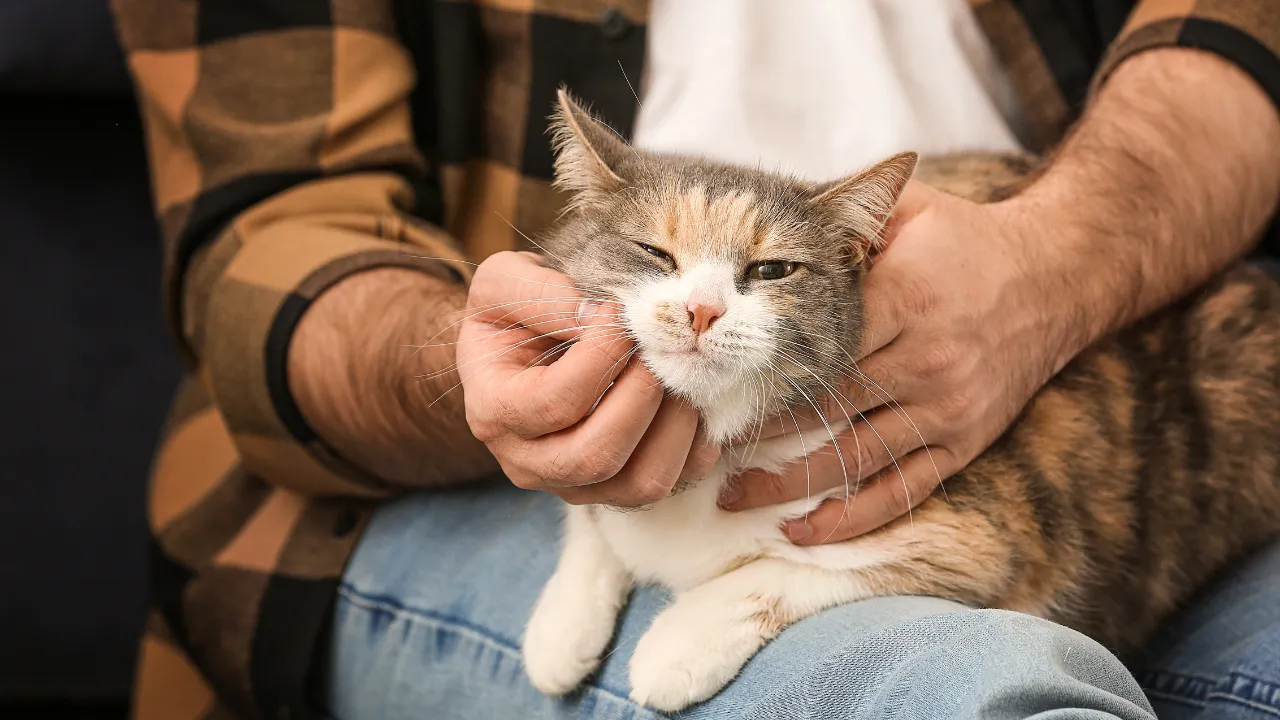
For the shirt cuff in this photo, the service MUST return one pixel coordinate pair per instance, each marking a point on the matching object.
(250, 316)
(1244, 32)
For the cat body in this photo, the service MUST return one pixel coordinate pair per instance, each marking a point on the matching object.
(1146, 465)
(686, 539)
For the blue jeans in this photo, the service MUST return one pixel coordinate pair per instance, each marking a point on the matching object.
(433, 605)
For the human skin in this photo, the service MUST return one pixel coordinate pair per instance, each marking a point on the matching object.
(1170, 176)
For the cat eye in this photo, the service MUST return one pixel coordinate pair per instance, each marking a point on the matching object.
(657, 253)
(771, 270)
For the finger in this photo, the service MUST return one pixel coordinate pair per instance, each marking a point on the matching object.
(702, 456)
(872, 382)
(883, 313)
(889, 496)
(858, 394)
(513, 288)
(534, 401)
(653, 468)
(915, 198)
(596, 449)
(871, 445)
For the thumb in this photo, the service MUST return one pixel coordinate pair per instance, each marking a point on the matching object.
(882, 316)
(916, 197)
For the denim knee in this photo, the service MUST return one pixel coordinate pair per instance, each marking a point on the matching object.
(963, 664)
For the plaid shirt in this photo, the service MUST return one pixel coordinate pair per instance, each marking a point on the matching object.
(294, 142)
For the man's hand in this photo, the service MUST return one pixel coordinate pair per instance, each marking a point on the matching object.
(1172, 174)
(551, 389)
(964, 322)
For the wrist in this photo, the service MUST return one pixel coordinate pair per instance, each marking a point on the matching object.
(1076, 281)
(371, 369)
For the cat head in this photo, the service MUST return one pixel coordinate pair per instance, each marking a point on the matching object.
(739, 287)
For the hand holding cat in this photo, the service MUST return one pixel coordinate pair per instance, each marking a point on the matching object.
(535, 361)
(961, 332)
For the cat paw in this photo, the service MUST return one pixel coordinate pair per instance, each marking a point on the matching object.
(564, 641)
(686, 658)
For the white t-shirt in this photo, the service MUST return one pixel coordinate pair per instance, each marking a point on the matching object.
(821, 88)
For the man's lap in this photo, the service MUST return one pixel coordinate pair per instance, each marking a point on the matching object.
(434, 602)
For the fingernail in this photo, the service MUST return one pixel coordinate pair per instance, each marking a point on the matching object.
(798, 530)
(587, 311)
(730, 494)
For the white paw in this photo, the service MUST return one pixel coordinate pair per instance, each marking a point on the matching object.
(565, 637)
(690, 654)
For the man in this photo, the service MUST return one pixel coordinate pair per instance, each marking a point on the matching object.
(288, 142)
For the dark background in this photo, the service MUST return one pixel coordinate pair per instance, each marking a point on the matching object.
(87, 369)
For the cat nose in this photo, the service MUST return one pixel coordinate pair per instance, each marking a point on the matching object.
(702, 315)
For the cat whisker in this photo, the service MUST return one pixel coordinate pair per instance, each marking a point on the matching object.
(901, 475)
(602, 298)
(500, 353)
(516, 328)
(505, 351)
(528, 239)
(857, 376)
(458, 361)
(830, 432)
(489, 308)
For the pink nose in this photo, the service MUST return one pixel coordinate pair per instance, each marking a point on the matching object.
(702, 315)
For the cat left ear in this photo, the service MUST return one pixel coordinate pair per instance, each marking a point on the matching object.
(587, 152)
(861, 204)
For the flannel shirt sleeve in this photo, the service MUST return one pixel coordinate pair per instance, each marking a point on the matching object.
(282, 160)
(1246, 32)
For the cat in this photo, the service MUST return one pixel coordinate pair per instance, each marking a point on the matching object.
(1141, 469)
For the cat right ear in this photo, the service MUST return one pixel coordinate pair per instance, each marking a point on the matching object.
(860, 206)
(587, 153)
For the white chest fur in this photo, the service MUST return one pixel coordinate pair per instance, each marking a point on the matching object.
(735, 575)
(686, 540)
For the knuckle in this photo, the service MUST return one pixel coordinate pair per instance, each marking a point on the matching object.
(651, 490)
(573, 498)
(773, 486)
(957, 406)
(524, 481)
(938, 359)
(897, 499)
(865, 453)
(484, 432)
(596, 464)
(504, 414)
(917, 296)
(476, 422)
(560, 407)
(558, 471)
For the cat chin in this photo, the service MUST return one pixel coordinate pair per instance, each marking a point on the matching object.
(726, 398)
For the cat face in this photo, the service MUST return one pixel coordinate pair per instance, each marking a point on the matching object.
(739, 287)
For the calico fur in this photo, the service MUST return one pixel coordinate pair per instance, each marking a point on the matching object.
(1140, 470)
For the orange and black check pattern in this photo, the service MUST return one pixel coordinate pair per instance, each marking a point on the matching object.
(294, 142)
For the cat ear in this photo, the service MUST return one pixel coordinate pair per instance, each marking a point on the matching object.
(587, 153)
(861, 204)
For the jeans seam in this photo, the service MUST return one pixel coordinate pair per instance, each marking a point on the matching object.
(1212, 693)
(1172, 697)
(461, 627)
(1260, 688)
(1157, 683)
(395, 607)
(1226, 697)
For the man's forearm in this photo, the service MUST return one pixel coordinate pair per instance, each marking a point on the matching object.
(356, 374)
(1173, 173)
